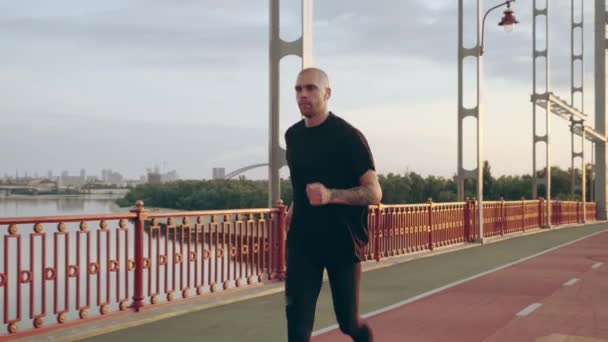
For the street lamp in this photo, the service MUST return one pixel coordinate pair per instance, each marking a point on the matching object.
(507, 21)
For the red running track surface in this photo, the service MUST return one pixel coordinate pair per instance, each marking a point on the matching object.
(486, 308)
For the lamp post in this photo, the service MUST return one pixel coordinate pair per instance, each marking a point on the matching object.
(507, 22)
(600, 108)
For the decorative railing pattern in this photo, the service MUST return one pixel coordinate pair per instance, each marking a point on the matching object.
(62, 269)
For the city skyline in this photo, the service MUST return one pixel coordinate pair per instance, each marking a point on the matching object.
(52, 174)
(105, 175)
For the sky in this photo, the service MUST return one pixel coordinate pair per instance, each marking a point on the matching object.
(183, 84)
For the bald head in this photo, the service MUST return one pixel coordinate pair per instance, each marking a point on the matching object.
(318, 74)
(312, 93)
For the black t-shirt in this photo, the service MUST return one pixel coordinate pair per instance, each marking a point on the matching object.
(335, 154)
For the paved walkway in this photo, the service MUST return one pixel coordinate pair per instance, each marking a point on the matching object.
(557, 295)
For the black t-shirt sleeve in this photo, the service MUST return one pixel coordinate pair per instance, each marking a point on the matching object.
(287, 137)
(360, 155)
(288, 143)
(288, 150)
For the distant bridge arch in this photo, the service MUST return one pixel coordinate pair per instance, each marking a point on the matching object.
(244, 169)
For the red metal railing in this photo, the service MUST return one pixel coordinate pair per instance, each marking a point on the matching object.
(494, 218)
(502, 217)
(85, 262)
(70, 268)
(448, 223)
(570, 212)
(591, 210)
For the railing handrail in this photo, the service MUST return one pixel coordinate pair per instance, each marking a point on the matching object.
(128, 215)
(213, 212)
(399, 206)
(449, 203)
(65, 218)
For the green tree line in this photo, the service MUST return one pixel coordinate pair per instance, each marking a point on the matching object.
(404, 188)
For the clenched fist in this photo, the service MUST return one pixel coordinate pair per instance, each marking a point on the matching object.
(318, 194)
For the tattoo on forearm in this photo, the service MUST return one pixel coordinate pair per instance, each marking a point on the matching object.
(361, 195)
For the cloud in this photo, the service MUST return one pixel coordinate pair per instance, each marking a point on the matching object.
(204, 34)
(202, 62)
(139, 33)
(428, 30)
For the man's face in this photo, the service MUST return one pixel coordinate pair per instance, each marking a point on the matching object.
(311, 94)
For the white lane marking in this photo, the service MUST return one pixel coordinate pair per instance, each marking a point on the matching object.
(571, 282)
(529, 309)
(597, 265)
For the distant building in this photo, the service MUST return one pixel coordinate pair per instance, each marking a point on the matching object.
(71, 181)
(219, 172)
(115, 178)
(154, 178)
(105, 175)
(65, 180)
(110, 177)
(135, 182)
(92, 179)
(170, 176)
(43, 185)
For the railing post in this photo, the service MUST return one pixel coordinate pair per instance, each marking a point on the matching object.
(475, 229)
(138, 277)
(430, 203)
(558, 213)
(502, 216)
(541, 222)
(578, 218)
(554, 213)
(473, 219)
(523, 214)
(596, 215)
(379, 233)
(467, 219)
(279, 264)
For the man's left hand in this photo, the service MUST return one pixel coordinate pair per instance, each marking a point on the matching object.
(318, 194)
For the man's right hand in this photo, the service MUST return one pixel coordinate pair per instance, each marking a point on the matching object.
(288, 217)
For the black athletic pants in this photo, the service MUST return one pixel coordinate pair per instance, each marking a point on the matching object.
(302, 286)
